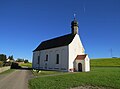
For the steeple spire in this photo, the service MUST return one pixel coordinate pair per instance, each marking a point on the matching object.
(74, 25)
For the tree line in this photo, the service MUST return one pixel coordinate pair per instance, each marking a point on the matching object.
(4, 58)
(7, 61)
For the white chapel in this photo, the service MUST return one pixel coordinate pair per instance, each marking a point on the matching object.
(64, 53)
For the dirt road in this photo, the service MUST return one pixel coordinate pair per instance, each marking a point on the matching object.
(15, 80)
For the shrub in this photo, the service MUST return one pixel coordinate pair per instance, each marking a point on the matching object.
(15, 66)
(25, 61)
(7, 64)
(1, 63)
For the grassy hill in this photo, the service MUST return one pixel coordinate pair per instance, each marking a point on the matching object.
(105, 62)
(26, 64)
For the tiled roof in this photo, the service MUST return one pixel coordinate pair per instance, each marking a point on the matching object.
(56, 42)
(81, 57)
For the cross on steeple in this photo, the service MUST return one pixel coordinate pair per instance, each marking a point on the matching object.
(74, 16)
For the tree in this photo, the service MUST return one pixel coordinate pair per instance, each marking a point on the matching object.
(1, 63)
(20, 60)
(25, 61)
(3, 57)
(11, 57)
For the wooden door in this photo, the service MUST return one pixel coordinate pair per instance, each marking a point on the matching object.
(80, 67)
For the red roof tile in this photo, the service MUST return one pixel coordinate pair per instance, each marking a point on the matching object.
(81, 57)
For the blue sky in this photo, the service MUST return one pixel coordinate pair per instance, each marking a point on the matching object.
(25, 23)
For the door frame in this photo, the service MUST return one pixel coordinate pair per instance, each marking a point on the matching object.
(80, 67)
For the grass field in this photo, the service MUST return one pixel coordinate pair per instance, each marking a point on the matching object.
(102, 74)
(42, 73)
(26, 64)
(106, 62)
(7, 71)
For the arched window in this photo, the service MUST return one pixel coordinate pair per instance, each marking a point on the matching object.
(46, 57)
(57, 59)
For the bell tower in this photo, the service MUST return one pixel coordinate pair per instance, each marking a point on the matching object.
(74, 26)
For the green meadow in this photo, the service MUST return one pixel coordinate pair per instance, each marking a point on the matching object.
(29, 65)
(105, 73)
(106, 62)
(7, 71)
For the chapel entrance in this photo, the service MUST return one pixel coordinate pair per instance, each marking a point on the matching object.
(79, 67)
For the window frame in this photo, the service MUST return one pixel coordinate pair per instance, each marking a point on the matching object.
(46, 58)
(57, 58)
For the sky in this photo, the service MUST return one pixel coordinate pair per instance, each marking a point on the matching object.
(24, 24)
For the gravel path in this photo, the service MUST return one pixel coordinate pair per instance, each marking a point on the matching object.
(15, 80)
